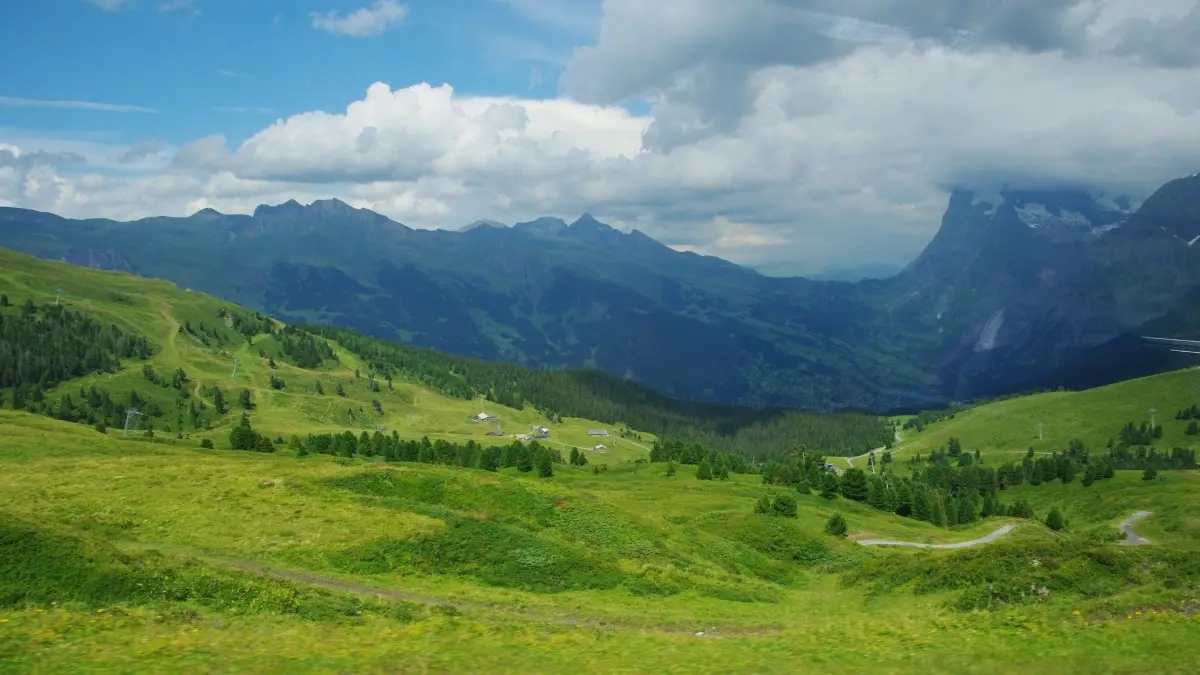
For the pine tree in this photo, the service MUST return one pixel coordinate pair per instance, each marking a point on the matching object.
(830, 486)
(763, 505)
(670, 468)
(545, 467)
(803, 487)
(836, 525)
(244, 399)
(574, 457)
(854, 485)
(704, 471)
(319, 389)
(1150, 473)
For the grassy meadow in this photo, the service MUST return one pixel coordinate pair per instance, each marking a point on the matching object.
(155, 555)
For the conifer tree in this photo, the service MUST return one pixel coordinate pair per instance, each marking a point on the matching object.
(1055, 520)
(704, 471)
(830, 486)
(836, 525)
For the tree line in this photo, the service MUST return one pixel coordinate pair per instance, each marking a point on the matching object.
(42, 347)
(470, 454)
(592, 394)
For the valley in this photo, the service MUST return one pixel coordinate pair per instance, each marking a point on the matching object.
(171, 550)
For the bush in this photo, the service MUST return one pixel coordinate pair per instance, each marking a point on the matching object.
(784, 505)
(836, 525)
(1055, 520)
(206, 443)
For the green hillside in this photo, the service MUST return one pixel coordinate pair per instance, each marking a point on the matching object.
(1094, 416)
(156, 554)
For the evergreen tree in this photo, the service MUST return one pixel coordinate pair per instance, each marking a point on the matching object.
(836, 525)
(3, 300)
(829, 485)
(704, 471)
(574, 457)
(219, 402)
(1150, 473)
(524, 461)
(244, 399)
(545, 467)
(803, 487)
(340, 390)
(763, 505)
(854, 485)
(670, 468)
(1055, 520)
(1193, 428)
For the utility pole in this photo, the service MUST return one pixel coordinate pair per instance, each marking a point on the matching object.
(1152, 411)
(131, 415)
(235, 365)
(57, 295)
(1040, 431)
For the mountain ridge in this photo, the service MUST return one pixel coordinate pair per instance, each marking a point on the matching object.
(1009, 291)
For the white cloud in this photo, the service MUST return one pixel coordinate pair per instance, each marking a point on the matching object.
(362, 22)
(841, 154)
(18, 102)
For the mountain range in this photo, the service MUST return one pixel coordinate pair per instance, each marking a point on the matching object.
(1018, 290)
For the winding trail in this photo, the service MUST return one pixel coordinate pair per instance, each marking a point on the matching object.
(341, 586)
(961, 544)
(1132, 538)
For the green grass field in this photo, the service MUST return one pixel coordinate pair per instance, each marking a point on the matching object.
(155, 555)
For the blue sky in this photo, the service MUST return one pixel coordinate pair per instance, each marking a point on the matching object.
(232, 66)
(797, 136)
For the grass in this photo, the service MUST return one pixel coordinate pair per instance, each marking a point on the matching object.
(1009, 428)
(132, 555)
(605, 573)
(158, 309)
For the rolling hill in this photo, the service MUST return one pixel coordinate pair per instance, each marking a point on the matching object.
(158, 554)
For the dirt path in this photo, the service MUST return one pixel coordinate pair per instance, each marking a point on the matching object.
(1132, 538)
(961, 544)
(341, 586)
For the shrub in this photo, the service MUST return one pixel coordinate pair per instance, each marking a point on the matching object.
(836, 525)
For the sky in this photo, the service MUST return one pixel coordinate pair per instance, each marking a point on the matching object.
(795, 136)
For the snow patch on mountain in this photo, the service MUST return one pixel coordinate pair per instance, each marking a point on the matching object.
(1034, 215)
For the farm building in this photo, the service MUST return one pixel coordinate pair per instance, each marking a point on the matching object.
(600, 448)
(597, 432)
(481, 417)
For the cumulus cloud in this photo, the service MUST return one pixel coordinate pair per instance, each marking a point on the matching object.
(362, 22)
(783, 133)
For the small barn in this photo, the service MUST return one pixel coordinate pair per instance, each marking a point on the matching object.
(597, 432)
(600, 448)
(482, 417)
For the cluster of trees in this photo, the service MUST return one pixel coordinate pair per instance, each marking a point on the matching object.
(41, 347)
(248, 325)
(303, 349)
(691, 452)
(525, 457)
(591, 394)
(782, 505)
(244, 437)
(578, 458)
(1141, 457)
(1142, 434)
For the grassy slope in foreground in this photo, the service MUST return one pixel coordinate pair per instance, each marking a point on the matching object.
(158, 309)
(688, 556)
(1007, 429)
